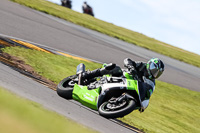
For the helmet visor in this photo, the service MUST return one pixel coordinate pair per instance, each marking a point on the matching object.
(155, 70)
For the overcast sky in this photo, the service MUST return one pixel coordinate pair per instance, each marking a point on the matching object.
(176, 22)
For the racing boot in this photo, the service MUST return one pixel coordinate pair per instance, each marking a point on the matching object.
(97, 72)
(90, 74)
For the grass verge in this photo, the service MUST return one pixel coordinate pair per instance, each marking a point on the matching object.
(53, 67)
(112, 30)
(171, 109)
(18, 115)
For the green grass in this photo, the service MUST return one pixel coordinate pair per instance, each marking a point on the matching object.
(112, 30)
(18, 115)
(171, 108)
(53, 67)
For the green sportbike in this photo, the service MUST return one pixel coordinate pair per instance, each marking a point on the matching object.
(112, 96)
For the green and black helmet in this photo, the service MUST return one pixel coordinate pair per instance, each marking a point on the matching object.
(155, 68)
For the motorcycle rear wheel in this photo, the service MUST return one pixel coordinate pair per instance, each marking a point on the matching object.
(65, 87)
(119, 112)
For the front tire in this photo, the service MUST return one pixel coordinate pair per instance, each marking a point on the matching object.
(65, 87)
(106, 112)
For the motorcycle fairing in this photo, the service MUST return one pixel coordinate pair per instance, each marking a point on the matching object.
(95, 97)
(86, 97)
(133, 85)
(109, 90)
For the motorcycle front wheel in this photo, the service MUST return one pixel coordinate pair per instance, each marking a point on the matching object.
(65, 87)
(109, 110)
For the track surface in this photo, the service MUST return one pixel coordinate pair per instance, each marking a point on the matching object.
(21, 22)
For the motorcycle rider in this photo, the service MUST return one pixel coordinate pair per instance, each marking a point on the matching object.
(145, 73)
(87, 9)
(66, 3)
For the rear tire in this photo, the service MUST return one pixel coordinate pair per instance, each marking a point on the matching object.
(64, 89)
(105, 112)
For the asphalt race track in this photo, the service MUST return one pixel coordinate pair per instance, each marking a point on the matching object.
(24, 23)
